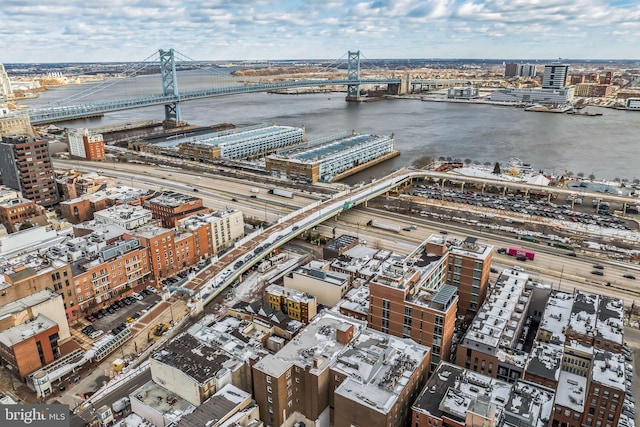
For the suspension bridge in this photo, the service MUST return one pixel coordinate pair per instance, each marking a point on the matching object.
(171, 97)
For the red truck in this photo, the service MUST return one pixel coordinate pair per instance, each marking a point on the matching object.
(519, 252)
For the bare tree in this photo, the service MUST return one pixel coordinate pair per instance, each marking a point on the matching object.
(592, 176)
(422, 161)
(467, 162)
(580, 175)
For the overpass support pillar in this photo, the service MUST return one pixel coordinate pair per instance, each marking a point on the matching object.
(405, 84)
(548, 197)
(483, 187)
(462, 187)
(169, 86)
(504, 191)
(353, 75)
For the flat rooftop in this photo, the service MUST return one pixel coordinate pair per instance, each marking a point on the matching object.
(26, 330)
(167, 403)
(29, 301)
(173, 199)
(498, 319)
(545, 360)
(571, 391)
(556, 317)
(194, 358)
(218, 407)
(314, 347)
(608, 369)
(318, 150)
(378, 368)
(452, 391)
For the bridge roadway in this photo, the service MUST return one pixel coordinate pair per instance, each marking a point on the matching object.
(70, 112)
(212, 280)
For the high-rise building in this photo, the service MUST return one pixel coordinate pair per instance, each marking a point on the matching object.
(85, 144)
(555, 76)
(519, 70)
(26, 166)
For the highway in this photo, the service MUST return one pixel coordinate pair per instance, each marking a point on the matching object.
(226, 269)
(550, 264)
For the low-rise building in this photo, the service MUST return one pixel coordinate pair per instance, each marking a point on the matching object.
(331, 158)
(125, 216)
(18, 212)
(295, 304)
(194, 370)
(327, 286)
(158, 405)
(45, 302)
(31, 345)
(457, 397)
(170, 207)
(338, 369)
(228, 407)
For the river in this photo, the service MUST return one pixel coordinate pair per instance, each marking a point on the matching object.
(605, 146)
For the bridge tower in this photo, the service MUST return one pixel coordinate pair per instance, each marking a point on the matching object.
(172, 116)
(353, 74)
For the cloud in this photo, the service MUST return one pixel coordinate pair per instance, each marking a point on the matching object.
(121, 30)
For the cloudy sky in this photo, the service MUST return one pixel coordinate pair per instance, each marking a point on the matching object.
(131, 30)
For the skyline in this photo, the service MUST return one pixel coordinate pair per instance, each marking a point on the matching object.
(122, 31)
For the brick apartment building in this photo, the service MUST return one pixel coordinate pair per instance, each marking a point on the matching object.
(171, 207)
(19, 211)
(29, 346)
(26, 166)
(316, 375)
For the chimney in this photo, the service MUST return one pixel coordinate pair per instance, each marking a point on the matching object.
(344, 333)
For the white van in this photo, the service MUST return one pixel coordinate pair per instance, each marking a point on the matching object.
(136, 296)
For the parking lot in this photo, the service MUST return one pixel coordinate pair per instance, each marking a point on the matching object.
(594, 213)
(119, 315)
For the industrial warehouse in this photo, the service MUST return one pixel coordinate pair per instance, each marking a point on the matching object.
(238, 143)
(331, 158)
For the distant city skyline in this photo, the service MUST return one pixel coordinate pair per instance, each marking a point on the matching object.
(131, 30)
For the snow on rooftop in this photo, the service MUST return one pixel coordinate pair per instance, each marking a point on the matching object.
(557, 314)
(571, 391)
(497, 321)
(608, 369)
(378, 367)
(315, 346)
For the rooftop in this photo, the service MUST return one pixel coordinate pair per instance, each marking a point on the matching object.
(453, 391)
(330, 277)
(498, 320)
(583, 312)
(314, 348)
(317, 150)
(545, 360)
(29, 301)
(571, 391)
(218, 407)
(119, 213)
(194, 358)
(529, 405)
(378, 367)
(195, 221)
(233, 336)
(608, 369)
(290, 294)
(557, 314)
(233, 136)
(169, 404)
(26, 330)
(173, 199)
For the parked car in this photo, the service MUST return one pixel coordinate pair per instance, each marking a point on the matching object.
(96, 333)
(137, 296)
(152, 289)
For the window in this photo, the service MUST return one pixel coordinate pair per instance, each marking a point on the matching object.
(268, 379)
(269, 399)
(269, 389)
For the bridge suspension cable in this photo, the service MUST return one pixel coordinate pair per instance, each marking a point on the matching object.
(129, 73)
